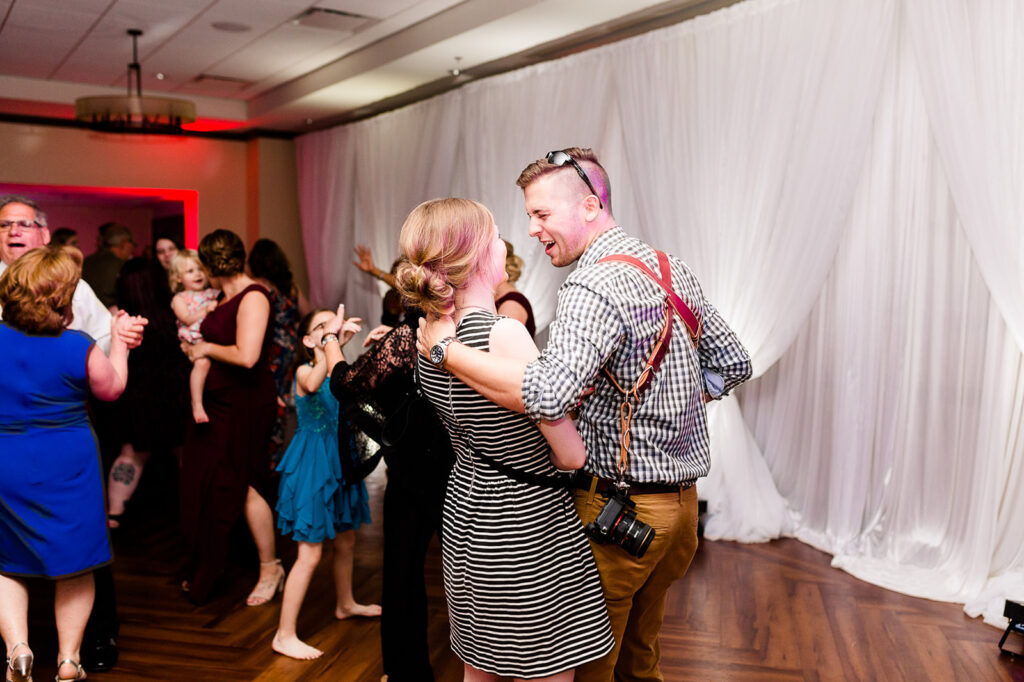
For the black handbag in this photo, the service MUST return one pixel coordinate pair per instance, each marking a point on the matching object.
(357, 448)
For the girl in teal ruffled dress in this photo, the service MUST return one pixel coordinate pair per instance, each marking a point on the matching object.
(314, 502)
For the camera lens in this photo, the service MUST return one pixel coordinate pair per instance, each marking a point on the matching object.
(634, 535)
(617, 523)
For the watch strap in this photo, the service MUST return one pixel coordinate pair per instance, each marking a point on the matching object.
(442, 346)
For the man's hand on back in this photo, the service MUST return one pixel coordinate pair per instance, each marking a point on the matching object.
(432, 329)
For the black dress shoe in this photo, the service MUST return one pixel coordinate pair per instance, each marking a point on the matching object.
(99, 654)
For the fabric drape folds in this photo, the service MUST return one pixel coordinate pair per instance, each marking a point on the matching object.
(749, 154)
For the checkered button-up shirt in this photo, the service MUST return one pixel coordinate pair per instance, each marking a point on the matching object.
(610, 314)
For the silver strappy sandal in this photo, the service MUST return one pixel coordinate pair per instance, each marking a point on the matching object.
(21, 665)
(79, 671)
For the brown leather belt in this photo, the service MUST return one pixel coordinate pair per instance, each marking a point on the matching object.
(583, 482)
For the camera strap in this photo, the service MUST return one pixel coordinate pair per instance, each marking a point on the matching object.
(673, 303)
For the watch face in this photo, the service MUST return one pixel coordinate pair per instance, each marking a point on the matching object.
(437, 353)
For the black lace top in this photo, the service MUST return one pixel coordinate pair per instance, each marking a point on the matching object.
(383, 379)
(383, 375)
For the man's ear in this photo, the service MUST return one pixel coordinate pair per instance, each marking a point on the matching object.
(591, 207)
(46, 235)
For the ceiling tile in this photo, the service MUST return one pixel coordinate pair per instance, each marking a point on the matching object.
(104, 53)
(39, 35)
(280, 49)
(414, 13)
(199, 48)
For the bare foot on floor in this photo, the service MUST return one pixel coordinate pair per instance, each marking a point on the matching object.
(364, 610)
(295, 647)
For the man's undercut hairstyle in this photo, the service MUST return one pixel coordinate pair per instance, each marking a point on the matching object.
(587, 160)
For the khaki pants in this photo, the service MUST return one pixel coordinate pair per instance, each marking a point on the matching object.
(634, 589)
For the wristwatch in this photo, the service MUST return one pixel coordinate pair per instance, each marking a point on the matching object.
(439, 351)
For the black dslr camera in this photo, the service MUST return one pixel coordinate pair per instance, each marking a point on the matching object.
(617, 524)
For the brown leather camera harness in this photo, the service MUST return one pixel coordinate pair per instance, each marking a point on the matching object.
(633, 396)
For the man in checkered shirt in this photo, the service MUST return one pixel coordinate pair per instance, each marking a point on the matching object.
(610, 315)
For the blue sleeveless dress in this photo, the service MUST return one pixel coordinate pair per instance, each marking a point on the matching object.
(53, 521)
(314, 503)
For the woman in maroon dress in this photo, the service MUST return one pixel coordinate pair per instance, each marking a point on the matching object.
(225, 467)
(509, 301)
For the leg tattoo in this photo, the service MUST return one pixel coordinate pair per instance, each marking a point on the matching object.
(123, 473)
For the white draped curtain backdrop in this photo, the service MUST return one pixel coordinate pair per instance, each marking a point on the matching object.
(845, 179)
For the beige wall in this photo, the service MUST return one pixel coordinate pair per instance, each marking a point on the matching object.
(247, 187)
(74, 156)
(278, 202)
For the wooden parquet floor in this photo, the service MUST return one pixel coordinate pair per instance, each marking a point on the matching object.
(774, 611)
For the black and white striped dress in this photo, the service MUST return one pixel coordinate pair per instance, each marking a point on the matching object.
(524, 596)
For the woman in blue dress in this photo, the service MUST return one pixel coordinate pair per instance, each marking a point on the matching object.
(314, 502)
(52, 517)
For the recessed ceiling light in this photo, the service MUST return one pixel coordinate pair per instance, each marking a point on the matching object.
(160, 76)
(231, 26)
(333, 20)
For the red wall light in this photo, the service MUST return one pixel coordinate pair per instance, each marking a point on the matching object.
(188, 197)
(213, 125)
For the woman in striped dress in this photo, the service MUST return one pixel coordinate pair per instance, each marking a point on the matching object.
(524, 596)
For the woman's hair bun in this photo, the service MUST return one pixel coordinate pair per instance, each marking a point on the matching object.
(442, 241)
(424, 287)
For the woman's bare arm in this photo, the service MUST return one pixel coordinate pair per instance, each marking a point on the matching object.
(344, 329)
(513, 309)
(107, 376)
(510, 339)
(251, 325)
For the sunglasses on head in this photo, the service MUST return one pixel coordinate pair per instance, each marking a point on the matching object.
(560, 158)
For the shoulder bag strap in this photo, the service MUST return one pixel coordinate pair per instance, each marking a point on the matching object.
(519, 475)
(527, 477)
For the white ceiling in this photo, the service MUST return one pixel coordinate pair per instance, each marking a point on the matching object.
(279, 72)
